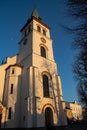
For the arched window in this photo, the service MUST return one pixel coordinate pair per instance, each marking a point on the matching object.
(43, 52)
(45, 86)
(44, 32)
(38, 29)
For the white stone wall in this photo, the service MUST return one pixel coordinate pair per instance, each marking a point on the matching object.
(9, 61)
(32, 81)
(25, 50)
(27, 101)
(12, 99)
(76, 110)
(36, 23)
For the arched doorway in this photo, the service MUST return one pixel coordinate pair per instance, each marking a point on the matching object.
(48, 117)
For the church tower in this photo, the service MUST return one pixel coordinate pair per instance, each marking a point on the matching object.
(41, 85)
(38, 100)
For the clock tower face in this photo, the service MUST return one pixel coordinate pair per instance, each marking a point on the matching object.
(43, 40)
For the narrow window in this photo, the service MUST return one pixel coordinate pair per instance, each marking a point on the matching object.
(11, 91)
(25, 42)
(45, 86)
(29, 28)
(25, 33)
(38, 29)
(43, 52)
(9, 112)
(44, 32)
(13, 70)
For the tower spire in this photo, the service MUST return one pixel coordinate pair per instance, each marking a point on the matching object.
(35, 13)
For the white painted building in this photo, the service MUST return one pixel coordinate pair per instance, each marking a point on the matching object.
(73, 110)
(76, 110)
(30, 87)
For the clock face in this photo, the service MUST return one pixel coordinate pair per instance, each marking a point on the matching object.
(43, 40)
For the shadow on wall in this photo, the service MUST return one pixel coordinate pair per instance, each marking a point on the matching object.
(22, 108)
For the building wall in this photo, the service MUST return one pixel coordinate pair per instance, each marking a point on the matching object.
(36, 42)
(42, 26)
(9, 61)
(41, 101)
(27, 102)
(76, 110)
(34, 84)
(12, 99)
(25, 50)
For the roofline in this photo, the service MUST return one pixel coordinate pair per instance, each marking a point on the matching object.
(14, 65)
(33, 18)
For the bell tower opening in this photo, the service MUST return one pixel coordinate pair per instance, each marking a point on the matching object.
(48, 117)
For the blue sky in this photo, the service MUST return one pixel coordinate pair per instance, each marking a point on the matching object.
(13, 16)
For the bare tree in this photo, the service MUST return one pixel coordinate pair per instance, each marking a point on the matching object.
(78, 10)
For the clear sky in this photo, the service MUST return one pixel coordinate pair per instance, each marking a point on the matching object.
(13, 16)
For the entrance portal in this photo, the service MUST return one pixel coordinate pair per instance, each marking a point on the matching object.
(48, 117)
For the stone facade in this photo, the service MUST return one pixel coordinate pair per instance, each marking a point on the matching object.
(31, 89)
